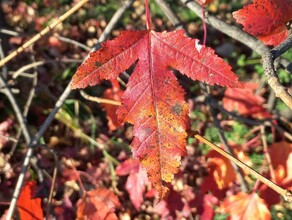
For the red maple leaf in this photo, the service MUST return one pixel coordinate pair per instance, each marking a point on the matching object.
(136, 182)
(98, 204)
(245, 101)
(29, 207)
(154, 101)
(266, 19)
(245, 206)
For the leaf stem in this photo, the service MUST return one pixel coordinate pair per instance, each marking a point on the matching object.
(147, 15)
(283, 192)
(204, 24)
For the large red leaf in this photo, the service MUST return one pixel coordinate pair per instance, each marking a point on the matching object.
(245, 206)
(98, 204)
(266, 19)
(154, 101)
(29, 207)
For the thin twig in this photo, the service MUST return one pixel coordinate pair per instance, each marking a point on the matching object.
(74, 42)
(114, 20)
(41, 131)
(25, 110)
(43, 32)
(7, 138)
(19, 116)
(223, 140)
(40, 63)
(234, 32)
(29, 152)
(53, 183)
(9, 32)
(174, 19)
(266, 152)
(265, 122)
(257, 183)
(204, 24)
(271, 75)
(4, 69)
(99, 100)
(283, 192)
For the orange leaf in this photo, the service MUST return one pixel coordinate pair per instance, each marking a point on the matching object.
(220, 169)
(266, 19)
(29, 207)
(154, 101)
(98, 204)
(245, 206)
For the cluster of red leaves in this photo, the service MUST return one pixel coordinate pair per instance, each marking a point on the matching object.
(102, 203)
(266, 20)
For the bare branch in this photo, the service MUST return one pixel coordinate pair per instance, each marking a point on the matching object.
(29, 152)
(41, 131)
(271, 75)
(116, 17)
(74, 42)
(174, 19)
(43, 32)
(223, 140)
(40, 63)
(99, 100)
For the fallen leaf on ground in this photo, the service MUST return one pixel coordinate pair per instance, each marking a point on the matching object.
(245, 206)
(98, 204)
(136, 182)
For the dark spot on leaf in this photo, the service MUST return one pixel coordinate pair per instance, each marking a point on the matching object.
(98, 64)
(177, 109)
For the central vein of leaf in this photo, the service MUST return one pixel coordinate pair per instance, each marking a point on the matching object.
(154, 97)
